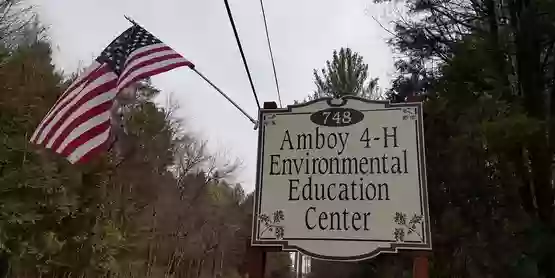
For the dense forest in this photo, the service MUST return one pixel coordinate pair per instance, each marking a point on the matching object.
(485, 71)
(159, 204)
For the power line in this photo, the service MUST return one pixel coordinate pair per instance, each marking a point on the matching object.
(241, 50)
(271, 54)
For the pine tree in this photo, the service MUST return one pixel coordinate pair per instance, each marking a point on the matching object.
(346, 74)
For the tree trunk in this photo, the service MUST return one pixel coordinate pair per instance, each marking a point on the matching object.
(4, 266)
(199, 267)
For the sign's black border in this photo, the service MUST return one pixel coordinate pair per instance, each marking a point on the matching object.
(394, 246)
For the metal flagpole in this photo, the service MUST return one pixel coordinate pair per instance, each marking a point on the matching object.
(295, 262)
(229, 99)
(212, 84)
(299, 265)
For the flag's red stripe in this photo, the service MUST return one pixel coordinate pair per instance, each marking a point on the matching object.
(156, 71)
(93, 75)
(145, 53)
(93, 152)
(85, 137)
(104, 88)
(74, 85)
(147, 63)
(55, 110)
(81, 119)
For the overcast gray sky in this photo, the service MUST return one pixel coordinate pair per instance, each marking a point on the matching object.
(304, 34)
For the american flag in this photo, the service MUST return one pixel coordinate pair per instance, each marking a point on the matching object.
(78, 125)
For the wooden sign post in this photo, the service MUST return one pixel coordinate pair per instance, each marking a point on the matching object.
(421, 266)
(342, 179)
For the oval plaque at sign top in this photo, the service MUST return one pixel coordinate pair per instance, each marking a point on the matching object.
(337, 117)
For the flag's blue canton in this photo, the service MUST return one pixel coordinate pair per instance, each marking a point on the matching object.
(118, 51)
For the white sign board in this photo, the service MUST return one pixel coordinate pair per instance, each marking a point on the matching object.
(342, 179)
